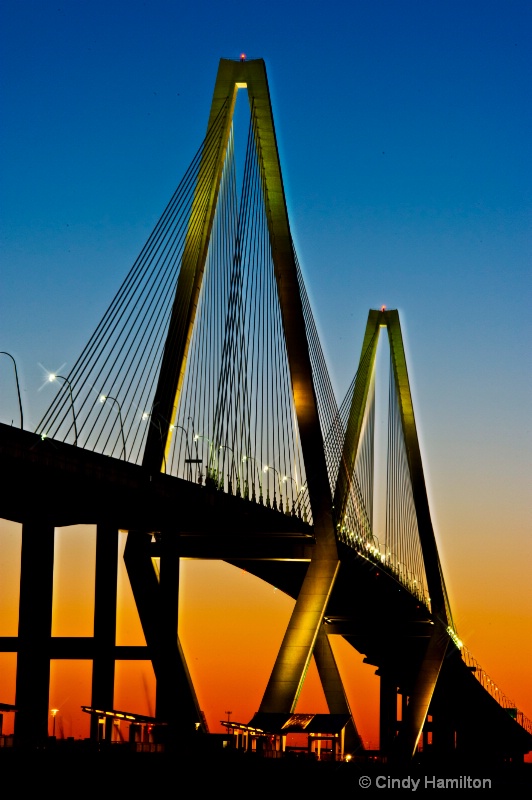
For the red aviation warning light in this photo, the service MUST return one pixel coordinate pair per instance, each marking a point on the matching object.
(383, 308)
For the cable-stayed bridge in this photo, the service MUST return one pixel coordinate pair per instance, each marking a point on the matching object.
(200, 417)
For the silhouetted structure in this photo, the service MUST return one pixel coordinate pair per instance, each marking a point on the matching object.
(223, 440)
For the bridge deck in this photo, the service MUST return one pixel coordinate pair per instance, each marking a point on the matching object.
(56, 483)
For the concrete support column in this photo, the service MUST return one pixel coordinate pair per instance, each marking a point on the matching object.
(443, 730)
(333, 689)
(34, 633)
(105, 600)
(297, 646)
(157, 603)
(421, 696)
(167, 699)
(387, 713)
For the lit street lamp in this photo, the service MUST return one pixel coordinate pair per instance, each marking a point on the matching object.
(105, 397)
(210, 469)
(289, 478)
(267, 467)
(246, 458)
(188, 455)
(53, 377)
(232, 468)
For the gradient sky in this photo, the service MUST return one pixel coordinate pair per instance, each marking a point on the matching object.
(404, 131)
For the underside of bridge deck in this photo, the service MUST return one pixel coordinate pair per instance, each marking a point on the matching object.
(368, 606)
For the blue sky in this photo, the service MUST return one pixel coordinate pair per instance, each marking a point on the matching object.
(404, 130)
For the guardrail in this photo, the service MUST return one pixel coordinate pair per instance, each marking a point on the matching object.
(371, 549)
(492, 688)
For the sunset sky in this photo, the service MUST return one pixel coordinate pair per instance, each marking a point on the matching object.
(404, 131)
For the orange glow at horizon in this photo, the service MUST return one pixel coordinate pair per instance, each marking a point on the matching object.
(231, 625)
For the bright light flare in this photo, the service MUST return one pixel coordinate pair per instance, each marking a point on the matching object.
(50, 377)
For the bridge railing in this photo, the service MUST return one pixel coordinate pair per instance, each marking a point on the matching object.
(199, 458)
(369, 548)
(492, 688)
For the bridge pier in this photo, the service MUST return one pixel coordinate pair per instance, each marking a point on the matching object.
(293, 659)
(443, 729)
(157, 601)
(34, 633)
(105, 607)
(333, 689)
(387, 712)
(166, 701)
(420, 698)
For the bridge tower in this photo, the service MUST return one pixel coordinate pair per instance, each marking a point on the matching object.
(403, 746)
(298, 645)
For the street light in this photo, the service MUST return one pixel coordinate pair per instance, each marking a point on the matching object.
(53, 377)
(149, 415)
(197, 437)
(188, 455)
(298, 506)
(250, 458)
(267, 467)
(285, 479)
(233, 469)
(53, 712)
(105, 397)
(3, 353)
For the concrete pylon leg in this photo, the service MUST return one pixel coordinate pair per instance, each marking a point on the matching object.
(387, 713)
(34, 633)
(157, 605)
(297, 646)
(418, 705)
(105, 598)
(167, 699)
(333, 689)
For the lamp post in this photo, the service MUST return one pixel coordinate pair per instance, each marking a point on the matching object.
(289, 478)
(267, 468)
(105, 397)
(197, 437)
(53, 712)
(230, 485)
(298, 506)
(188, 455)
(3, 353)
(53, 377)
(250, 458)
